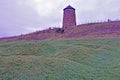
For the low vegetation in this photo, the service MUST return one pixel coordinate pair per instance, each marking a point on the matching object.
(60, 60)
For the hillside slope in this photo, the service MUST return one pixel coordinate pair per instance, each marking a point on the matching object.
(84, 31)
(95, 30)
(60, 60)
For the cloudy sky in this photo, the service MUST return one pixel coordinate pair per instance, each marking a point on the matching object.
(24, 16)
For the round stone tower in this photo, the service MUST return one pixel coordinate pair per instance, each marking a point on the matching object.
(69, 17)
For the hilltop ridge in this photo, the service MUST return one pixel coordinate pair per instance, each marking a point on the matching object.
(83, 31)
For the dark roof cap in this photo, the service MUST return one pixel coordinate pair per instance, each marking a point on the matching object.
(69, 7)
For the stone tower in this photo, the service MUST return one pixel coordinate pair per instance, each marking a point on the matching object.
(69, 17)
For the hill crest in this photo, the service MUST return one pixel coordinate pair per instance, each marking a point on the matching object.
(83, 31)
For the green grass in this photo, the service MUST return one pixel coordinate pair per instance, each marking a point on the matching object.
(60, 60)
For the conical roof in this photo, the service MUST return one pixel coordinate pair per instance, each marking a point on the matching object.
(69, 7)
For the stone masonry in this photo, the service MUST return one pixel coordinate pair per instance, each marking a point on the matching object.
(69, 17)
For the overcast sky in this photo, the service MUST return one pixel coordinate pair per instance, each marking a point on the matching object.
(24, 16)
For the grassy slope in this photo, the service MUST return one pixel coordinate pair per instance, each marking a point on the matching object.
(60, 60)
(100, 30)
(95, 30)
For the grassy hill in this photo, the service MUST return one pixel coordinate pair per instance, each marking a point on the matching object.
(95, 30)
(84, 31)
(60, 60)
